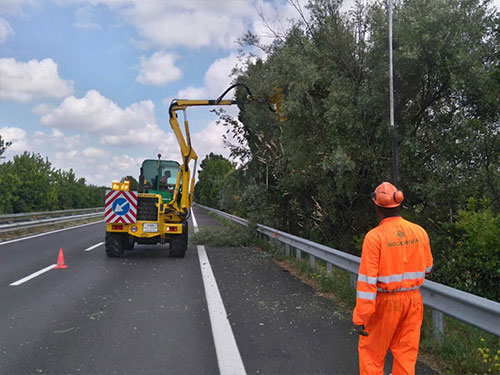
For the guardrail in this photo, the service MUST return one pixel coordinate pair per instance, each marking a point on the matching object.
(469, 308)
(14, 222)
(9, 218)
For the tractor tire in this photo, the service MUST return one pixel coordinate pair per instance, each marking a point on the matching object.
(126, 244)
(179, 243)
(113, 245)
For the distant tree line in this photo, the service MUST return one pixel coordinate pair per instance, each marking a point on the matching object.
(29, 183)
(310, 168)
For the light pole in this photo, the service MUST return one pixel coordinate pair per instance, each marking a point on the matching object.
(394, 133)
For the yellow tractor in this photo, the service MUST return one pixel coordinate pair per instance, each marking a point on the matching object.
(158, 212)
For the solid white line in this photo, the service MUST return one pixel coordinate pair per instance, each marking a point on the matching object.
(33, 275)
(228, 355)
(93, 247)
(46, 233)
(195, 224)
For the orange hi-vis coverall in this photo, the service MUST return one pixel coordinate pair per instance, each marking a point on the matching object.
(396, 257)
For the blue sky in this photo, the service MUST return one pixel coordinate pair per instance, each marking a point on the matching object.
(87, 83)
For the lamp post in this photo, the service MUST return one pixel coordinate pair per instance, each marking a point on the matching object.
(394, 133)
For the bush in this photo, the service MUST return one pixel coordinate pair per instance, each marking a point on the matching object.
(473, 264)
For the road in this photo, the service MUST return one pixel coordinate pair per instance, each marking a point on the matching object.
(147, 313)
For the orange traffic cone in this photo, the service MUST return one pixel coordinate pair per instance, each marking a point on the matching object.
(60, 261)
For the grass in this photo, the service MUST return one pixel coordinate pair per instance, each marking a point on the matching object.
(462, 349)
(19, 233)
(222, 237)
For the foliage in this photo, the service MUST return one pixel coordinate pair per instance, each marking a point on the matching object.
(134, 184)
(214, 169)
(312, 174)
(3, 147)
(463, 349)
(29, 183)
(223, 237)
(472, 262)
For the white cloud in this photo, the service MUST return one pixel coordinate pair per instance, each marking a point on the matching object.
(27, 81)
(216, 80)
(5, 30)
(19, 140)
(188, 23)
(159, 69)
(56, 141)
(96, 113)
(145, 135)
(210, 139)
(93, 152)
(84, 18)
(15, 6)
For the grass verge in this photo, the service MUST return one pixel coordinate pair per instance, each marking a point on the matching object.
(463, 349)
(14, 234)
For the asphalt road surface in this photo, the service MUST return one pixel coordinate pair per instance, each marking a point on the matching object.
(235, 311)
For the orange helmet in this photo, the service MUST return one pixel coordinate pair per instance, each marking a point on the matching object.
(387, 195)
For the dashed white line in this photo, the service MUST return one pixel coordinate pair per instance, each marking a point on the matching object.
(228, 355)
(33, 275)
(93, 247)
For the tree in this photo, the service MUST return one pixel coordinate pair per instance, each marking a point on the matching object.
(312, 174)
(214, 169)
(3, 147)
(134, 184)
(37, 189)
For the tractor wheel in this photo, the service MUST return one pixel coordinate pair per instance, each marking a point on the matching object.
(179, 243)
(113, 244)
(126, 243)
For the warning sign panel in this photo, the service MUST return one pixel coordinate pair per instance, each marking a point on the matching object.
(121, 207)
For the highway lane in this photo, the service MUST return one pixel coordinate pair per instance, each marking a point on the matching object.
(144, 313)
(281, 325)
(147, 313)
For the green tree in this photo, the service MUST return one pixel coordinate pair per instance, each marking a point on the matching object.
(312, 174)
(214, 169)
(134, 184)
(37, 189)
(3, 147)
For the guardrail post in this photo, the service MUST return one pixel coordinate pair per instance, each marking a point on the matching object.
(287, 249)
(469, 308)
(438, 324)
(329, 268)
(312, 261)
(354, 279)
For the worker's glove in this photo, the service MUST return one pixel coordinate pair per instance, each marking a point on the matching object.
(361, 329)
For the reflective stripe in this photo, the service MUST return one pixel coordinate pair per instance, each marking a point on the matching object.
(366, 295)
(367, 279)
(428, 269)
(398, 290)
(405, 276)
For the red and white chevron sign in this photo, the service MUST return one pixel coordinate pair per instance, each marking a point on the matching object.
(121, 207)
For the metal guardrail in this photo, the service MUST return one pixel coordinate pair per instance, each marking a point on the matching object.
(469, 308)
(9, 218)
(31, 219)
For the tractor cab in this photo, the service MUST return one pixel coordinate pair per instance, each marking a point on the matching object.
(159, 177)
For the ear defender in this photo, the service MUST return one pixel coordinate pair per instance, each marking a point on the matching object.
(387, 195)
(398, 196)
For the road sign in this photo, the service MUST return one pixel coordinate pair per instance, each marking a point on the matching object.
(121, 207)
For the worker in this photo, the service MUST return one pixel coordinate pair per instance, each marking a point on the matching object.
(395, 258)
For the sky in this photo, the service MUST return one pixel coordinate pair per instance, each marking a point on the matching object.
(87, 83)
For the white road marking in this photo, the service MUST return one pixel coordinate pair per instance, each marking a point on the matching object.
(228, 355)
(195, 224)
(93, 247)
(33, 275)
(46, 233)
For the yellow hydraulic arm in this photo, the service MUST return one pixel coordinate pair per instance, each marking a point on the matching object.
(187, 151)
